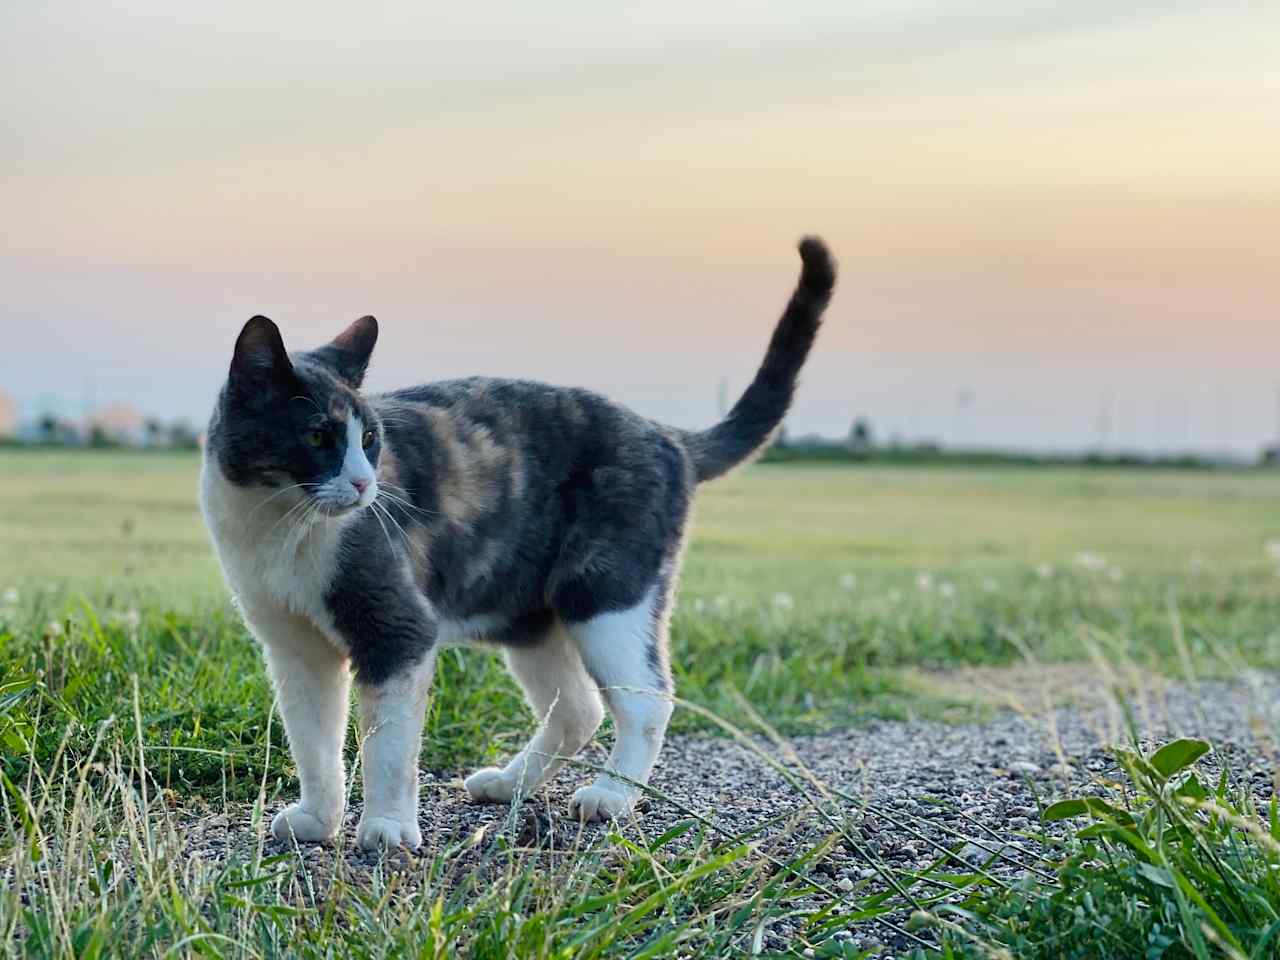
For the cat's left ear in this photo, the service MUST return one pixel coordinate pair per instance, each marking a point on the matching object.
(348, 353)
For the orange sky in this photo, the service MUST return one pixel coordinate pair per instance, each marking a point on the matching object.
(1071, 210)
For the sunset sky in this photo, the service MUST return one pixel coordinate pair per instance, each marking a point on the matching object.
(1071, 210)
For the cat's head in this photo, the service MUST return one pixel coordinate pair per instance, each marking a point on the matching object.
(297, 422)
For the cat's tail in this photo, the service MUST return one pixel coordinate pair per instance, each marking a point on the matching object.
(760, 410)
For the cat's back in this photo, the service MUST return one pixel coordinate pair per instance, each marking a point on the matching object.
(474, 395)
(570, 423)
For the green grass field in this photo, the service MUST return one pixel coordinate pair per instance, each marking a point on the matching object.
(820, 594)
(127, 524)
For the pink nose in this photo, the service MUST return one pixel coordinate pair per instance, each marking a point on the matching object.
(360, 485)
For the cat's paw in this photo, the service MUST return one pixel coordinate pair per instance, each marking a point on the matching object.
(596, 804)
(491, 785)
(385, 832)
(296, 823)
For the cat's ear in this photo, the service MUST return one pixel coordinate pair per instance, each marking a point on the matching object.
(260, 355)
(348, 353)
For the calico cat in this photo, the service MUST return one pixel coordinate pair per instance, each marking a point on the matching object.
(362, 532)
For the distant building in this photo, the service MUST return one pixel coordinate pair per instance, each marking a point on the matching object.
(8, 416)
(120, 423)
(1271, 456)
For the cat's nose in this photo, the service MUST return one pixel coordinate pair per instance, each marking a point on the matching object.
(360, 484)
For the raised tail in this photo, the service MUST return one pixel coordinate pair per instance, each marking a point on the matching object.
(762, 406)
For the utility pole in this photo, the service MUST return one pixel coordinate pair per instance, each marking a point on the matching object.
(1104, 421)
(964, 400)
(1278, 413)
(1224, 420)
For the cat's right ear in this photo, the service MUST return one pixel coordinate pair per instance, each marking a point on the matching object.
(260, 355)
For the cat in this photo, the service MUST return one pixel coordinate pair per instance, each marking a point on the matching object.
(359, 533)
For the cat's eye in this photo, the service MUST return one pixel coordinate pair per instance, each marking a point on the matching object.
(367, 440)
(313, 438)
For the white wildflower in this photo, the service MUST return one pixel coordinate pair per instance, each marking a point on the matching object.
(925, 582)
(722, 601)
(1115, 574)
(1044, 571)
(848, 581)
(947, 589)
(11, 595)
(1090, 561)
(1273, 550)
(131, 619)
(698, 605)
(1196, 561)
(54, 629)
(783, 601)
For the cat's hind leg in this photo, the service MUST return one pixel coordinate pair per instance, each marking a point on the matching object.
(625, 652)
(565, 704)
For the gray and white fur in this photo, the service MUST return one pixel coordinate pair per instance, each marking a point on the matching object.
(361, 532)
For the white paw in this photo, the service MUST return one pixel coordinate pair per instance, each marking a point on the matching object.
(490, 785)
(597, 803)
(375, 832)
(295, 822)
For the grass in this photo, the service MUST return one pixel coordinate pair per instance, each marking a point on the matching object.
(1159, 865)
(812, 595)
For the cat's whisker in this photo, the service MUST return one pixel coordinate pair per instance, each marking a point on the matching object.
(281, 519)
(385, 534)
(409, 543)
(383, 511)
(278, 493)
(404, 504)
(400, 493)
(303, 526)
(288, 545)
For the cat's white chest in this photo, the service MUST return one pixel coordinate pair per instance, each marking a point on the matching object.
(269, 561)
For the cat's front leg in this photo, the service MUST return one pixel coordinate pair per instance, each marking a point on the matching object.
(312, 683)
(392, 712)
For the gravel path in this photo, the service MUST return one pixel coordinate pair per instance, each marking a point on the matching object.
(978, 786)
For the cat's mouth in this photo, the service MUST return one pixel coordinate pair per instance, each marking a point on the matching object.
(342, 497)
